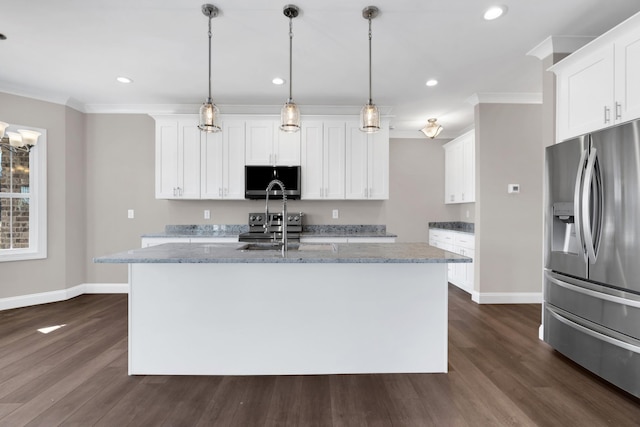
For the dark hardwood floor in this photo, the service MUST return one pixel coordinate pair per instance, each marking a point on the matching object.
(500, 374)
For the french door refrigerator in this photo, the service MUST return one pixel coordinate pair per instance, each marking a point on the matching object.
(591, 310)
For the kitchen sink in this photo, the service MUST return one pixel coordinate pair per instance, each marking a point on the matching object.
(277, 246)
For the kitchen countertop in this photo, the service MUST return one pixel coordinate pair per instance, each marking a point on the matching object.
(311, 230)
(307, 253)
(460, 226)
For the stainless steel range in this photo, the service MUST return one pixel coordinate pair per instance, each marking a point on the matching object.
(273, 230)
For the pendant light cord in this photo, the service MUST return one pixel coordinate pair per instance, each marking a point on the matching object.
(370, 97)
(210, 99)
(290, 59)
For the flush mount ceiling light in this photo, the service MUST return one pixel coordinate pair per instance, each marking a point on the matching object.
(208, 111)
(290, 114)
(278, 81)
(123, 79)
(22, 141)
(432, 82)
(432, 129)
(370, 115)
(494, 12)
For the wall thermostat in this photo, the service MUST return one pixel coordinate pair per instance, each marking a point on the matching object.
(513, 188)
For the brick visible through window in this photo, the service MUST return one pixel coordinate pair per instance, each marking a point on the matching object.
(14, 199)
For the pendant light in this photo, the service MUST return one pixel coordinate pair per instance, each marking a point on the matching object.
(290, 114)
(209, 113)
(432, 129)
(369, 115)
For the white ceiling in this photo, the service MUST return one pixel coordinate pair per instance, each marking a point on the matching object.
(71, 51)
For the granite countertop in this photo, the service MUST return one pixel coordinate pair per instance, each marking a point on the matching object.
(305, 253)
(464, 227)
(231, 230)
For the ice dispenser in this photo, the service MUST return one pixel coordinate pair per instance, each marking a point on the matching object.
(564, 232)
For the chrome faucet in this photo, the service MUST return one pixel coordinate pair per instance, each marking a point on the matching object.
(284, 213)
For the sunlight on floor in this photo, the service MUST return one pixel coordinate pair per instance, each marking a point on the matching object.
(50, 329)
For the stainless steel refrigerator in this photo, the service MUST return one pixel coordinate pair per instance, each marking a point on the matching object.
(591, 310)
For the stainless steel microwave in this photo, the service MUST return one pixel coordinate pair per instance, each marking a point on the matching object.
(257, 178)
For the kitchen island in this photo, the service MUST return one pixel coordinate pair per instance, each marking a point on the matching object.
(237, 309)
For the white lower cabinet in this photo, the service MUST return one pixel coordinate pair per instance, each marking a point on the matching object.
(155, 241)
(335, 239)
(460, 274)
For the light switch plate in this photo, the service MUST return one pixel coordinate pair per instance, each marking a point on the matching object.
(130, 214)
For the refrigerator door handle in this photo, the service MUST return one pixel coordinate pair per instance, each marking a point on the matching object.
(591, 229)
(577, 199)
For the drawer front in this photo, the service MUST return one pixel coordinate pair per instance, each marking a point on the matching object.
(616, 361)
(465, 240)
(594, 303)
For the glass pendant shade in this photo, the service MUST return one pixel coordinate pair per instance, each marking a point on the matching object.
(209, 115)
(369, 118)
(290, 117)
(432, 129)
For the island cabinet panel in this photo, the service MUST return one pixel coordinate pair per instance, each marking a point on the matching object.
(323, 160)
(598, 85)
(367, 163)
(243, 319)
(223, 162)
(177, 159)
(266, 144)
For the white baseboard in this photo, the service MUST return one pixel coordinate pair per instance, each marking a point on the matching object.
(63, 294)
(507, 297)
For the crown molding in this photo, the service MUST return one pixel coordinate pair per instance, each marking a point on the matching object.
(559, 44)
(505, 98)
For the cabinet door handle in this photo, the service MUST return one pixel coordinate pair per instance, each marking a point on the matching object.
(618, 111)
(607, 115)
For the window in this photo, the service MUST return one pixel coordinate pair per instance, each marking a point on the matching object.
(23, 196)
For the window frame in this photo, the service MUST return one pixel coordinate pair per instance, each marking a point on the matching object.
(37, 202)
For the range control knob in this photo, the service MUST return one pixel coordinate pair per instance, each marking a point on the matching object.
(296, 218)
(259, 218)
(252, 218)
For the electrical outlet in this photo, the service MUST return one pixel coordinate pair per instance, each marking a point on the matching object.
(335, 214)
(130, 214)
(207, 214)
(513, 188)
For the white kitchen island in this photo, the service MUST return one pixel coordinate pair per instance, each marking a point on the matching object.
(219, 309)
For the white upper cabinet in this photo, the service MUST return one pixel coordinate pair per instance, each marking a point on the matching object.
(323, 160)
(367, 163)
(177, 158)
(266, 144)
(597, 86)
(222, 175)
(459, 177)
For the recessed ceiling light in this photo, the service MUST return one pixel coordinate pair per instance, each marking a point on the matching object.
(278, 81)
(123, 79)
(432, 82)
(495, 12)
